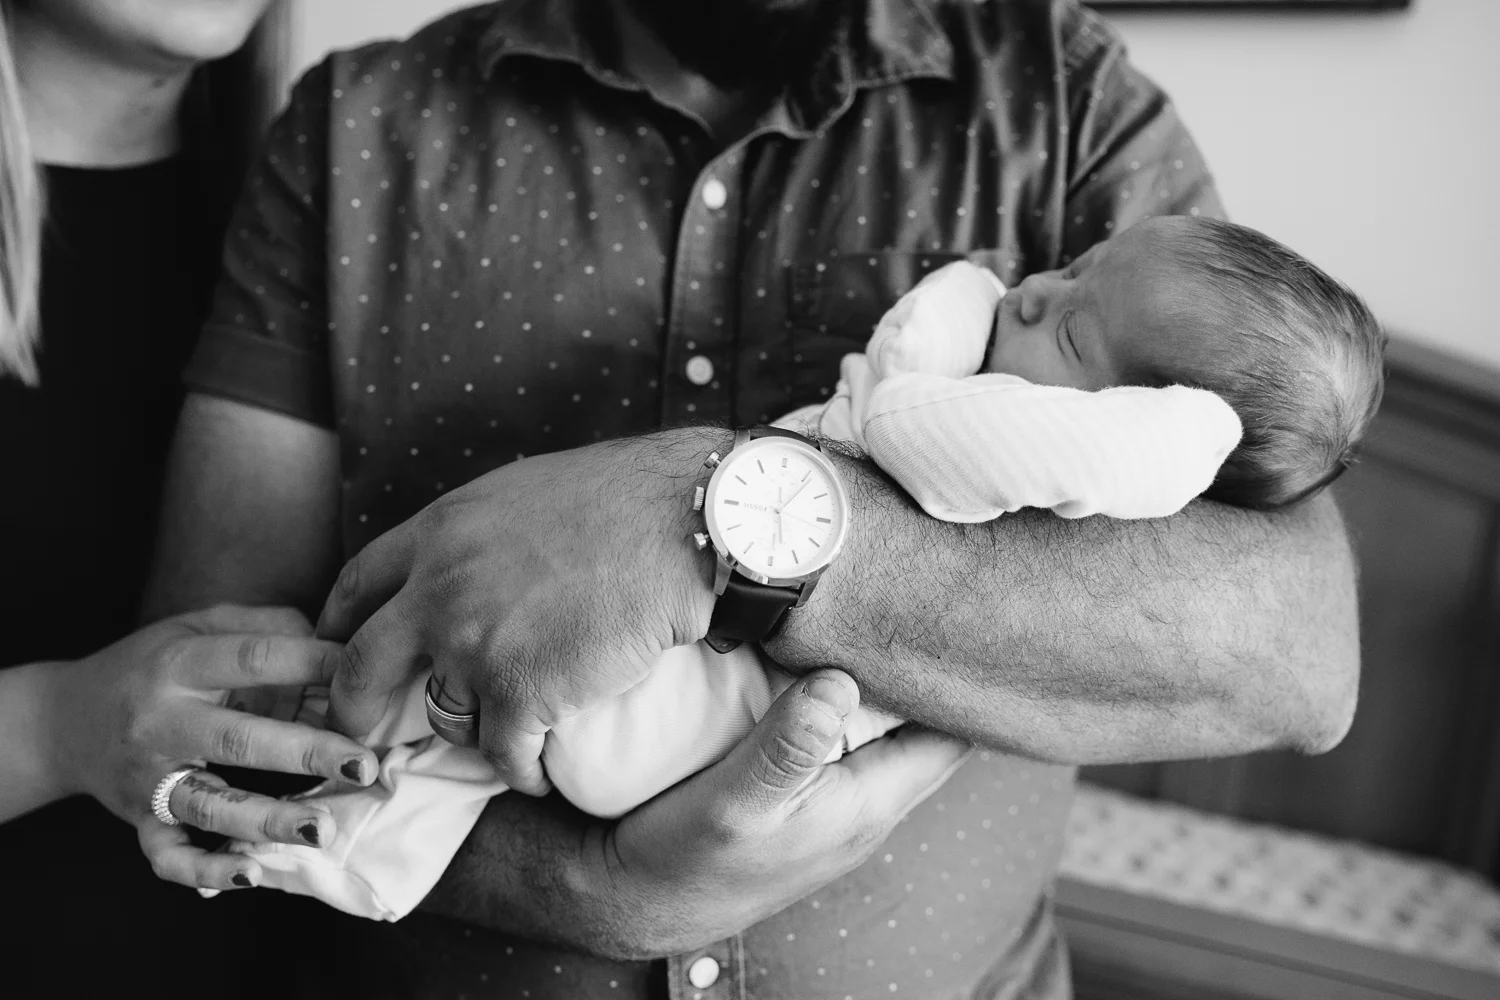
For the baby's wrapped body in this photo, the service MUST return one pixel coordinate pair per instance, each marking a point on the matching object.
(397, 836)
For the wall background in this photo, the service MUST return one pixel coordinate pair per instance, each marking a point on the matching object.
(1370, 142)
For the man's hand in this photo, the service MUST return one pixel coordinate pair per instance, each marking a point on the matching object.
(747, 837)
(534, 592)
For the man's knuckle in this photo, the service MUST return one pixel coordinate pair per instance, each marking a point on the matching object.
(347, 585)
(469, 640)
(863, 837)
(791, 756)
(724, 819)
(355, 671)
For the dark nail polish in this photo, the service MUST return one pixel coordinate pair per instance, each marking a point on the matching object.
(309, 833)
(242, 880)
(353, 770)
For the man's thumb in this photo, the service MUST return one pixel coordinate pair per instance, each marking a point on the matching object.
(797, 734)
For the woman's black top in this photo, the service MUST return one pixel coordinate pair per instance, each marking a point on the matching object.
(129, 265)
(129, 262)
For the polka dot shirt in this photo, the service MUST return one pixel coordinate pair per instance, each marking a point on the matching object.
(486, 242)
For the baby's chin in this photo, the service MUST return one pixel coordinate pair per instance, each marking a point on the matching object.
(1005, 325)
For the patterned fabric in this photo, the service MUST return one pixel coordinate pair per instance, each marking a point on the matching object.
(1337, 888)
(487, 241)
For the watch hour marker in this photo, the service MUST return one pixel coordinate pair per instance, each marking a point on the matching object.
(732, 527)
(818, 497)
(749, 547)
(762, 467)
(770, 560)
(783, 463)
(795, 557)
(734, 502)
(741, 480)
(805, 475)
(824, 520)
(813, 540)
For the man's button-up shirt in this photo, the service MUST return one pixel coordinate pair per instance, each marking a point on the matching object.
(488, 241)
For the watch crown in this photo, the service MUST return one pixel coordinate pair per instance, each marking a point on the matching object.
(712, 461)
(697, 498)
(700, 540)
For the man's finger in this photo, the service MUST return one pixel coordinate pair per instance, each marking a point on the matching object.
(223, 736)
(791, 741)
(206, 801)
(237, 662)
(898, 772)
(174, 859)
(381, 657)
(237, 618)
(514, 747)
(375, 575)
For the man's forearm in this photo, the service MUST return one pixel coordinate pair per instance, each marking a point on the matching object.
(1214, 631)
(521, 872)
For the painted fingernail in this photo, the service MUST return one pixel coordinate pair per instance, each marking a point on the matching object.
(309, 833)
(837, 695)
(241, 879)
(354, 770)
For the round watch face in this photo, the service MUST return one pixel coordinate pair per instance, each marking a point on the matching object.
(776, 505)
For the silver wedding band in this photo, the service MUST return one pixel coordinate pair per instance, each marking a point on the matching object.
(161, 798)
(460, 730)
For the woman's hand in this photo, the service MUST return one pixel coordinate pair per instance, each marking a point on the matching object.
(124, 718)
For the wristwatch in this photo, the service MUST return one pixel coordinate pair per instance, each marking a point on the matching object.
(776, 515)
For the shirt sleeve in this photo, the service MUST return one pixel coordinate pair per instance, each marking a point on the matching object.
(266, 341)
(1131, 157)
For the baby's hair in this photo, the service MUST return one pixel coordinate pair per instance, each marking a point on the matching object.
(1303, 364)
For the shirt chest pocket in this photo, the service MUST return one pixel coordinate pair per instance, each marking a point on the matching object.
(836, 303)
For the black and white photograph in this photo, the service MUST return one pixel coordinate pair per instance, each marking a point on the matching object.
(750, 499)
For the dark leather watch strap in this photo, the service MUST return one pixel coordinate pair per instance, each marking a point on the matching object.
(766, 430)
(747, 612)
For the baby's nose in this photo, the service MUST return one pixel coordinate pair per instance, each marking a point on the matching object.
(1034, 293)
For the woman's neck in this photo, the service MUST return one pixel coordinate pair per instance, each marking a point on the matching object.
(83, 108)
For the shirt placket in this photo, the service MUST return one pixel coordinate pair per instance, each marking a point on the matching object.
(713, 973)
(697, 383)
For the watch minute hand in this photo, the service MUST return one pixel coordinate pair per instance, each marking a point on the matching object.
(781, 507)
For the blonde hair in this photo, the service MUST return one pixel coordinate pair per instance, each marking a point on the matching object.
(22, 205)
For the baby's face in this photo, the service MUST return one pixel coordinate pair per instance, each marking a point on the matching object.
(1117, 315)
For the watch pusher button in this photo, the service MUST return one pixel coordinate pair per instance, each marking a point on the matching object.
(700, 539)
(713, 460)
(698, 493)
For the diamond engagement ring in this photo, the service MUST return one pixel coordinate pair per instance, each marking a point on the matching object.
(161, 799)
(460, 730)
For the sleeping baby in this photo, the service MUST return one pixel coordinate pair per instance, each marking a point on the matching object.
(1183, 357)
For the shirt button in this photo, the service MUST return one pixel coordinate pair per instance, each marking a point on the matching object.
(704, 972)
(700, 370)
(714, 193)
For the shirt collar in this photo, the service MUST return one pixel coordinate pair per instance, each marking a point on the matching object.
(891, 41)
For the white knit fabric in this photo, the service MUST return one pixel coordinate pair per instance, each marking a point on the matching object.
(967, 447)
(970, 447)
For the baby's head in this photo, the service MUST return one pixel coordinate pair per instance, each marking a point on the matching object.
(1178, 300)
